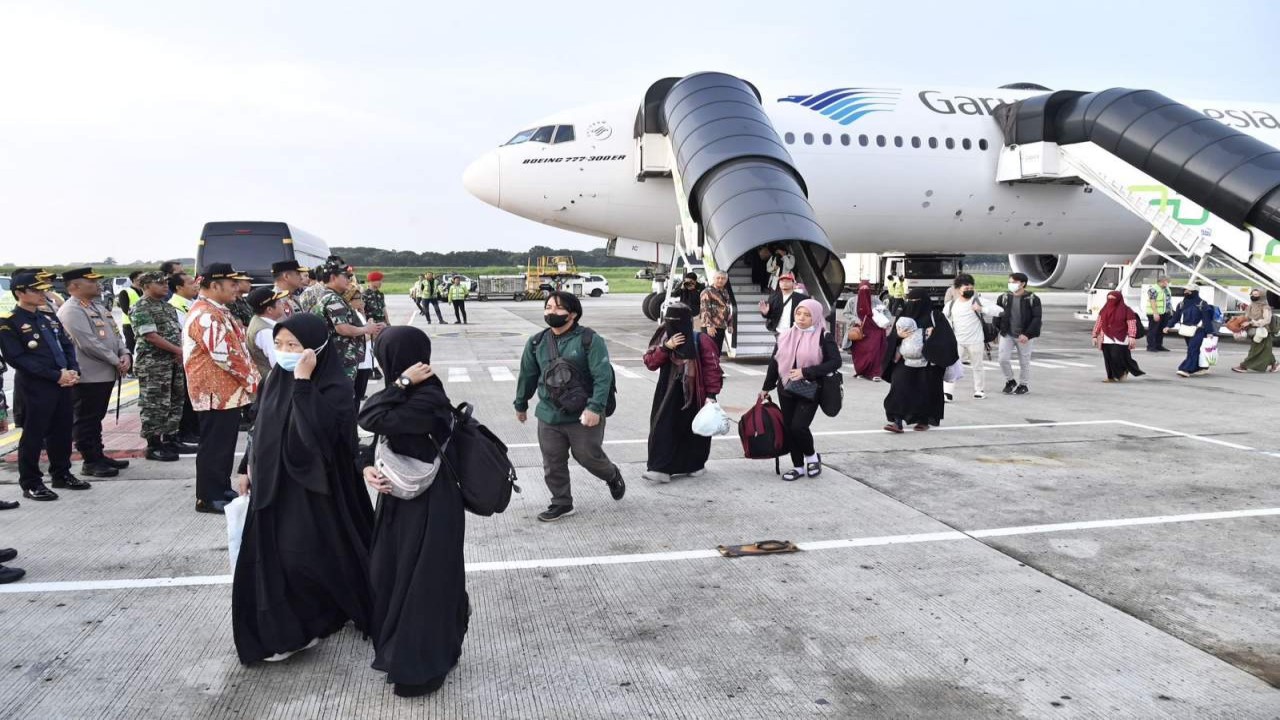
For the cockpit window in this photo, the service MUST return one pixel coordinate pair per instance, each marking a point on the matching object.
(564, 134)
(522, 136)
(543, 134)
(549, 134)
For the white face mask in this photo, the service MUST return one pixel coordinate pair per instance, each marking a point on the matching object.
(289, 360)
(1015, 287)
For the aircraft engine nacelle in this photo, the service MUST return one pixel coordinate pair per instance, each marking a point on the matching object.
(1063, 271)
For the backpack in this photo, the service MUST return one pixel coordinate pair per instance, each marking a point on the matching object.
(568, 387)
(478, 462)
(762, 433)
(1142, 329)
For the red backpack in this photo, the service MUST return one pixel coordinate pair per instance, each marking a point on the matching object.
(762, 434)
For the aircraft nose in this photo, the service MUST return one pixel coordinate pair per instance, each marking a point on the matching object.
(482, 178)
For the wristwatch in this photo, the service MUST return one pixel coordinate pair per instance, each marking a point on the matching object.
(404, 382)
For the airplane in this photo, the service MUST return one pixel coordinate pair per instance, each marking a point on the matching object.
(887, 168)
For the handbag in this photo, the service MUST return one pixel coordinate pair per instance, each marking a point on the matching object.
(1187, 331)
(805, 389)
(856, 333)
(831, 394)
(1237, 324)
(409, 476)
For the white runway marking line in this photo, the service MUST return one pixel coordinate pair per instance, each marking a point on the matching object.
(630, 559)
(459, 375)
(499, 373)
(743, 370)
(624, 372)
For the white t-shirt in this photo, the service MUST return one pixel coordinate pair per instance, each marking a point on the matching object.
(366, 362)
(966, 323)
(265, 342)
(785, 321)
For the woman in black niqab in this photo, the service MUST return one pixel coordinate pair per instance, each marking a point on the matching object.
(420, 606)
(916, 393)
(302, 572)
(688, 375)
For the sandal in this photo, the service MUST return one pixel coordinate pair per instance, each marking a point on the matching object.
(792, 475)
(921, 427)
(814, 469)
(893, 427)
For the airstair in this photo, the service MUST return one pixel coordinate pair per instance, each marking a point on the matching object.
(737, 189)
(1210, 194)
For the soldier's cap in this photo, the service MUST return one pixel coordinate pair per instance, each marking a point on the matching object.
(152, 277)
(28, 280)
(223, 271)
(261, 298)
(374, 276)
(84, 273)
(285, 266)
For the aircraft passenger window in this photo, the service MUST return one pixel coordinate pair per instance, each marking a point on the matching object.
(826, 138)
(863, 140)
(915, 142)
(789, 138)
(808, 138)
(564, 134)
(933, 143)
(897, 141)
(844, 139)
(966, 144)
(543, 134)
(982, 144)
(522, 136)
(880, 142)
(951, 144)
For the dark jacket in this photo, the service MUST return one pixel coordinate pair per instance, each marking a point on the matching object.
(537, 356)
(710, 378)
(830, 363)
(773, 314)
(26, 340)
(1031, 314)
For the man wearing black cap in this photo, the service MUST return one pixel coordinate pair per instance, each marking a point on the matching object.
(103, 359)
(36, 345)
(158, 365)
(268, 309)
(288, 277)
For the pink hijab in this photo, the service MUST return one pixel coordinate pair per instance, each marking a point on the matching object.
(800, 349)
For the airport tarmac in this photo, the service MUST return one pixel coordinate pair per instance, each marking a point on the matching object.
(1087, 550)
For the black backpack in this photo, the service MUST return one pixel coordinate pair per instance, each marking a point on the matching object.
(568, 386)
(478, 462)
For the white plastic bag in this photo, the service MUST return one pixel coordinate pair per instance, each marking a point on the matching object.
(954, 373)
(236, 511)
(881, 316)
(711, 420)
(1209, 351)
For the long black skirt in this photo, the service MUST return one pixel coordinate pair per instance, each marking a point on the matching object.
(674, 448)
(1118, 360)
(915, 395)
(421, 609)
(300, 574)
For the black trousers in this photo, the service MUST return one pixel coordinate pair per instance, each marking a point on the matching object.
(216, 456)
(427, 304)
(129, 339)
(89, 403)
(797, 416)
(718, 339)
(189, 425)
(46, 425)
(1155, 332)
(361, 385)
(459, 310)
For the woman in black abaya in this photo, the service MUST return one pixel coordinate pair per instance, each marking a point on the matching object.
(915, 393)
(421, 608)
(302, 572)
(689, 374)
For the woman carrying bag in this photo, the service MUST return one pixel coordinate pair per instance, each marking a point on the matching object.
(688, 367)
(866, 337)
(1116, 334)
(916, 396)
(1195, 324)
(1261, 357)
(804, 355)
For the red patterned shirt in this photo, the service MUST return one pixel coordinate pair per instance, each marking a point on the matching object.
(220, 372)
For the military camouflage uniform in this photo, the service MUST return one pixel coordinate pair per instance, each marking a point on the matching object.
(310, 297)
(336, 311)
(161, 382)
(375, 305)
(242, 311)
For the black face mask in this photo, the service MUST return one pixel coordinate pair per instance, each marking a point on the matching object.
(556, 321)
(1255, 298)
(967, 294)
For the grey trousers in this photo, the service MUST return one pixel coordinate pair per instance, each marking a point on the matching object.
(587, 446)
(1007, 346)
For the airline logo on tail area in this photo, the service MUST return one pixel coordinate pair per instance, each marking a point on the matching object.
(845, 105)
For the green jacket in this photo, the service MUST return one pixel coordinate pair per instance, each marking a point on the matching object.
(534, 361)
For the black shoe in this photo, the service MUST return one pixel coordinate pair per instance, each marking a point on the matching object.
(178, 447)
(948, 397)
(1022, 390)
(9, 504)
(7, 554)
(112, 462)
(555, 512)
(211, 506)
(406, 690)
(1009, 387)
(98, 469)
(8, 575)
(71, 482)
(617, 486)
(40, 494)
(162, 454)
(455, 322)
(189, 439)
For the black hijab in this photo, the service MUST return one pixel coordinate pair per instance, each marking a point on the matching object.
(406, 417)
(279, 433)
(939, 347)
(400, 347)
(677, 319)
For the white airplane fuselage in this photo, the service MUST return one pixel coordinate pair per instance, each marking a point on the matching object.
(912, 171)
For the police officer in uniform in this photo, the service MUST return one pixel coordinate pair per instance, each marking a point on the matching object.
(36, 346)
(103, 360)
(288, 280)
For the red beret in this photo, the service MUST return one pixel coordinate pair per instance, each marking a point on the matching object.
(375, 276)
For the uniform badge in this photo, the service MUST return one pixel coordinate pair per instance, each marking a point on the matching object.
(33, 344)
(25, 327)
(102, 333)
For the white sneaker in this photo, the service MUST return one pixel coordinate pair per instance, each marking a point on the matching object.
(979, 395)
(655, 476)
(286, 655)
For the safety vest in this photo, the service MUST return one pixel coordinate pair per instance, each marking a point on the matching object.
(457, 292)
(897, 288)
(1158, 298)
(134, 297)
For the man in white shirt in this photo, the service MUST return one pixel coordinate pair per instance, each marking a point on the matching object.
(964, 311)
(183, 290)
(779, 310)
(268, 309)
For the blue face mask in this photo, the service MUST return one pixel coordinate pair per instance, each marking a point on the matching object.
(289, 360)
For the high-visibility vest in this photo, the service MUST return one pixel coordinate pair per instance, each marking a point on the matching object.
(897, 288)
(457, 292)
(134, 297)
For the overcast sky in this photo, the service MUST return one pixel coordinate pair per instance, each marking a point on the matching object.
(125, 125)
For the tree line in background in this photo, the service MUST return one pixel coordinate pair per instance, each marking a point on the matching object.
(377, 257)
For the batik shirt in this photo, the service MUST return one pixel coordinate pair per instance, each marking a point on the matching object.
(220, 371)
(337, 311)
